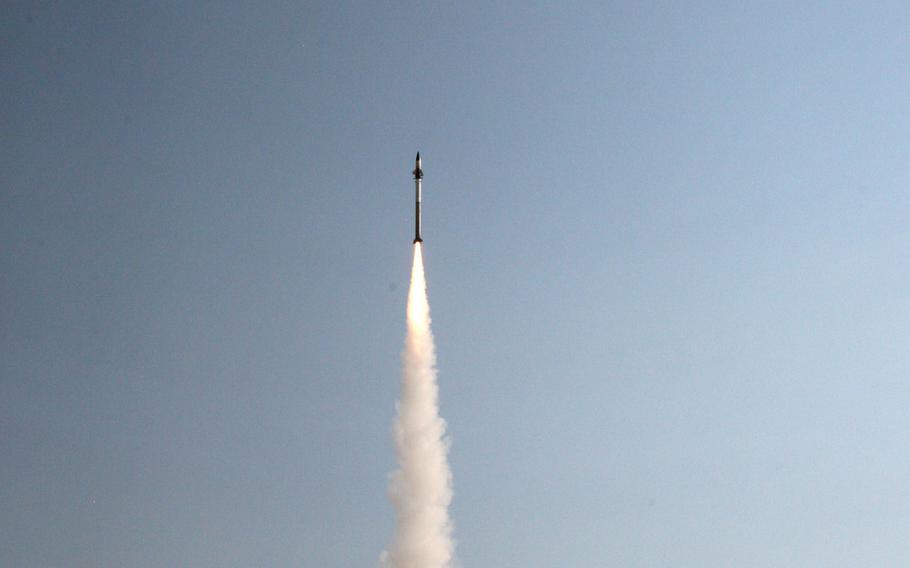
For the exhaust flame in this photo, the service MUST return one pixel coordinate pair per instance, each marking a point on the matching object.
(421, 489)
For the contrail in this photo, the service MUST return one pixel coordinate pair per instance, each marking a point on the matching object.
(421, 488)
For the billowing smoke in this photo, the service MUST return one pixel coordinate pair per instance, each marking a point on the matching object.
(421, 488)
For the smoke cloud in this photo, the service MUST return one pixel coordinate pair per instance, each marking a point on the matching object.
(421, 488)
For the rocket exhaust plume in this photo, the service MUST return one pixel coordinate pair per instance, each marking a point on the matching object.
(421, 488)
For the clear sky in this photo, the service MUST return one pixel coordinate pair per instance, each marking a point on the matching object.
(667, 253)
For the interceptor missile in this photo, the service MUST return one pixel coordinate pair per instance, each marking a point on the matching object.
(418, 175)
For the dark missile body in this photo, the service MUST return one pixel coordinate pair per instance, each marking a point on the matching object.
(418, 176)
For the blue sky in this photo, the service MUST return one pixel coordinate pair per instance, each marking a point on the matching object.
(667, 260)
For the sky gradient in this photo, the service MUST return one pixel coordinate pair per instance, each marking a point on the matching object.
(667, 258)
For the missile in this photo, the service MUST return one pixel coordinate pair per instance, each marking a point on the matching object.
(418, 175)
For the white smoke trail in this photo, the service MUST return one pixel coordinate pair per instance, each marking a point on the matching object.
(421, 489)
